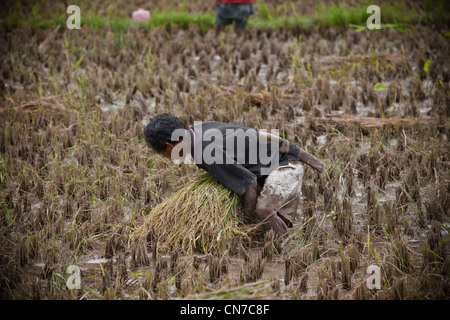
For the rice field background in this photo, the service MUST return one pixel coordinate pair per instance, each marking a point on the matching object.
(77, 180)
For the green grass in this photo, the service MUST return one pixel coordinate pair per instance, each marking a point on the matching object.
(344, 16)
(324, 16)
(117, 24)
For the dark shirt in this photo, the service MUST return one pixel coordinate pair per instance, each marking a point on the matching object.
(233, 154)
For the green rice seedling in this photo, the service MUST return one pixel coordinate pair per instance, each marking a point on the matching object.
(201, 216)
(264, 11)
(56, 284)
(401, 252)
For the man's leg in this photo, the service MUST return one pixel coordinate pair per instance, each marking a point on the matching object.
(239, 25)
(282, 189)
(221, 19)
(254, 208)
(270, 218)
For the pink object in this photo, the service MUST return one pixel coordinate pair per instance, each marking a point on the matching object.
(141, 15)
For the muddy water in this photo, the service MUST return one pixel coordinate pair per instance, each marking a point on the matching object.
(324, 64)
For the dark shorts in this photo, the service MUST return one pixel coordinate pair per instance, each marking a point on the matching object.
(227, 13)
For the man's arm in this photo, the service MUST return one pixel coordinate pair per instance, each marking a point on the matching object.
(292, 149)
(239, 180)
(249, 199)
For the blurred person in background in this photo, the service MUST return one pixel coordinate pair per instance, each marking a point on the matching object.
(233, 11)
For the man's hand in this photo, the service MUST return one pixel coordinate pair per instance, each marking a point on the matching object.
(292, 149)
(304, 156)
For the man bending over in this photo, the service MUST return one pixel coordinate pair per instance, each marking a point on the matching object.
(241, 159)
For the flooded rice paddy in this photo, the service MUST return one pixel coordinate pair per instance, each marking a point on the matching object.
(77, 178)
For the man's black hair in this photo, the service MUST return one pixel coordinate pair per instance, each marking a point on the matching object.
(159, 131)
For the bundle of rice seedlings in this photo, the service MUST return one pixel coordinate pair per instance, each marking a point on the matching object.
(201, 217)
